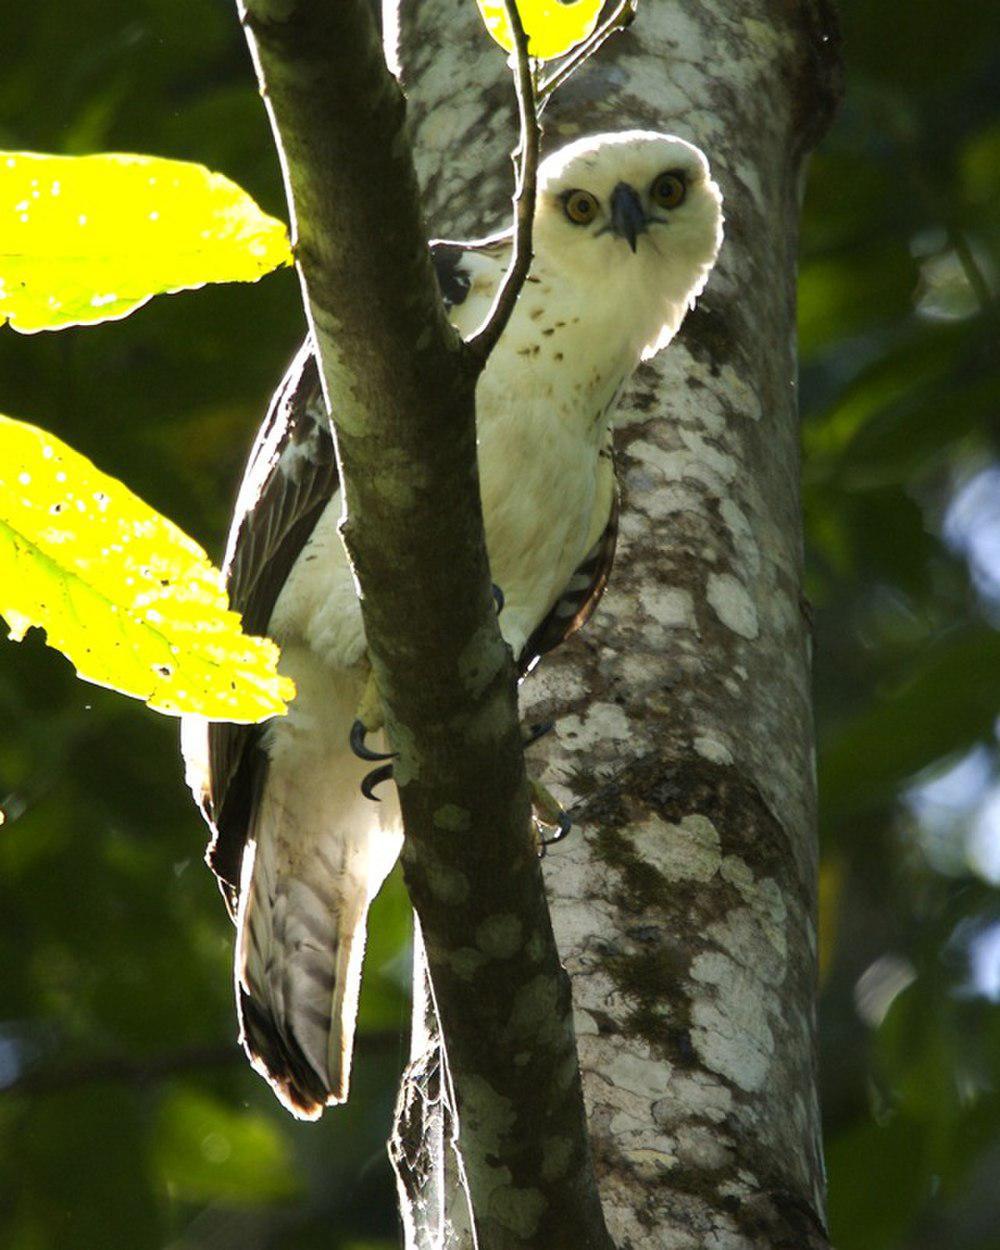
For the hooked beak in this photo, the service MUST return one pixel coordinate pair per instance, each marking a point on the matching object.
(628, 217)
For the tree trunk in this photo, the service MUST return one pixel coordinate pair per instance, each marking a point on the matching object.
(404, 419)
(684, 902)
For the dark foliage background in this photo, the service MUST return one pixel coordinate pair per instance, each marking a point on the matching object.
(127, 1118)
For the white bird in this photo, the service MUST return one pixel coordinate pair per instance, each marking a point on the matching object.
(627, 227)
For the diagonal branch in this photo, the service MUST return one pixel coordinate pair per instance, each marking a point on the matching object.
(485, 339)
(620, 18)
(403, 392)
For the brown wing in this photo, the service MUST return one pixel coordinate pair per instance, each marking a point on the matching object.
(290, 479)
(576, 605)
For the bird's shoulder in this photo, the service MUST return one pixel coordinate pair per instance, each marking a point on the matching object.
(291, 473)
(291, 476)
(468, 275)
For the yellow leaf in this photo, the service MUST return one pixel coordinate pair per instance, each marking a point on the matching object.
(553, 28)
(128, 597)
(91, 238)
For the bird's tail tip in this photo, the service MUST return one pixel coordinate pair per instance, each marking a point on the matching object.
(282, 1063)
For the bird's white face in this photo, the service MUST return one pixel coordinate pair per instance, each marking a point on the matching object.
(637, 220)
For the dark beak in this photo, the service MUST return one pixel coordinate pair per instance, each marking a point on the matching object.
(628, 217)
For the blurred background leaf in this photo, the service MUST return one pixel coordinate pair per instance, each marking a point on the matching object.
(900, 390)
(129, 1120)
(113, 942)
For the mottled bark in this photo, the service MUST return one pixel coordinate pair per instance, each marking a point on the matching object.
(684, 904)
(402, 386)
(430, 1173)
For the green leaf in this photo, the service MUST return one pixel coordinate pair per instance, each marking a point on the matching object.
(553, 28)
(873, 1216)
(910, 406)
(129, 598)
(948, 701)
(91, 238)
(87, 1144)
(387, 958)
(854, 293)
(204, 1151)
(980, 172)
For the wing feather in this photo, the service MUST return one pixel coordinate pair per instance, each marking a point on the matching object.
(290, 478)
(579, 600)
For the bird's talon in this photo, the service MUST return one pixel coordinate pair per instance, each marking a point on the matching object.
(357, 740)
(548, 814)
(563, 826)
(373, 779)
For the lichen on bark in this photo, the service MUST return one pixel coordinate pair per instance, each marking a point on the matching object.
(684, 902)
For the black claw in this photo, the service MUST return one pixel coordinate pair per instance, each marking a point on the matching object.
(537, 731)
(375, 778)
(357, 740)
(563, 826)
(498, 598)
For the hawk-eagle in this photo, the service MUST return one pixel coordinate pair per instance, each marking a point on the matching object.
(626, 230)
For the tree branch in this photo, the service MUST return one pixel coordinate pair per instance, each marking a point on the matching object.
(694, 992)
(621, 18)
(485, 339)
(430, 1175)
(403, 387)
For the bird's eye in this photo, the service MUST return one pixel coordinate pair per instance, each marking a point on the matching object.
(580, 207)
(669, 189)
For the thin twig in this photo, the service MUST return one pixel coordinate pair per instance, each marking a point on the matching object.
(620, 19)
(485, 338)
(974, 275)
(958, 241)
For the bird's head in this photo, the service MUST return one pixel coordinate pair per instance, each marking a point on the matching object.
(637, 217)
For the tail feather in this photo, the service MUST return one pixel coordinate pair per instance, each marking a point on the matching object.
(318, 853)
(298, 1018)
(280, 1060)
(298, 970)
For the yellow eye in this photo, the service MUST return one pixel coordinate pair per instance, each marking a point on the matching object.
(669, 189)
(580, 206)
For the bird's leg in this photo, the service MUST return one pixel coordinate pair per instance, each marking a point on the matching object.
(369, 720)
(547, 814)
(545, 811)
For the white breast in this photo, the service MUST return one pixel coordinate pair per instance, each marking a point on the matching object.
(318, 604)
(543, 407)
